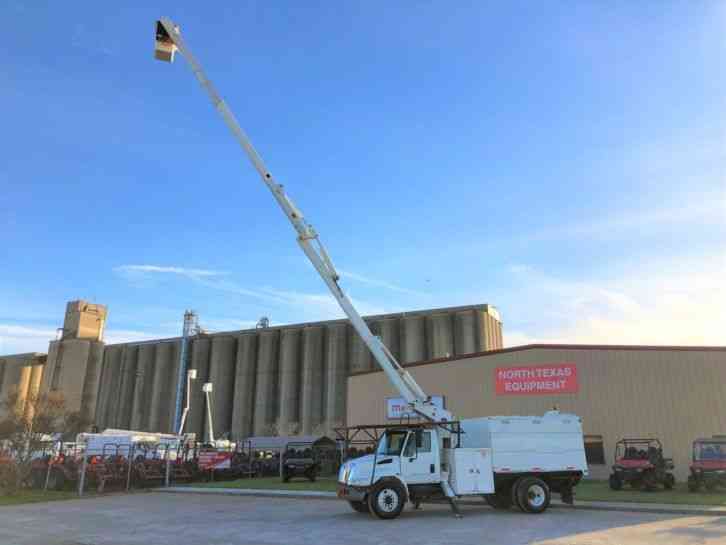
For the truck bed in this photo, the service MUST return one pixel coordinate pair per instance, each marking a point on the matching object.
(519, 444)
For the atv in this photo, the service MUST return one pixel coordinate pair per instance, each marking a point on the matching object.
(300, 460)
(640, 463)
(708, 468)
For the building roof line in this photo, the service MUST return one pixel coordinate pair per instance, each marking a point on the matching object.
(337, 321)
(541, 346)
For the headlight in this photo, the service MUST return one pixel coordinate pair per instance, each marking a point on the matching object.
(344, 473)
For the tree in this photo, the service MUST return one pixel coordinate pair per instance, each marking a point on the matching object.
(28, 426)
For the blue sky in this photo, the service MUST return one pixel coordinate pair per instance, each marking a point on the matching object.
(565, 163)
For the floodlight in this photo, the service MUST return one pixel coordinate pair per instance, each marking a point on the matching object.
(164, 47)
(207, 388)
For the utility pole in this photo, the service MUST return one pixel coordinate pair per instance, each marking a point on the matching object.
(190, 328)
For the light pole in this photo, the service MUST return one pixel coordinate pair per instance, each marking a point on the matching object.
(191, 375)
(207, 389)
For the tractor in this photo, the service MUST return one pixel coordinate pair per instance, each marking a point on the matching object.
(708, 468)
(640, 463)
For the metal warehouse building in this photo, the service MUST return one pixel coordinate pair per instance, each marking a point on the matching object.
(674, 393)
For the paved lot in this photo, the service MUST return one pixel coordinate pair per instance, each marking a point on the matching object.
(178, 519)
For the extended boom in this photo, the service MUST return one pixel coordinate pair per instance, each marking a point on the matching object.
(169, 40)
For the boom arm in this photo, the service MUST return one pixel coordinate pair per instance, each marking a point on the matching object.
(169, 39)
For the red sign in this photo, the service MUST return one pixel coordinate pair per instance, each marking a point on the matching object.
(551, 378)
(211, 459)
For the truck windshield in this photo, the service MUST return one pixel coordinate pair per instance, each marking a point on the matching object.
(391, 443)
(711, 451)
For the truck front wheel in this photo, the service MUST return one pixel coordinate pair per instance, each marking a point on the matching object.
(386, 499)
(533, 495)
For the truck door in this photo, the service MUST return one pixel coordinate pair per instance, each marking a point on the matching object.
(420, 459)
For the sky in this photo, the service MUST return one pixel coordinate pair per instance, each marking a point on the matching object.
(565, 162)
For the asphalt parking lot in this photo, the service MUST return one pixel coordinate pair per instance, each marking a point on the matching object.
(185, 519)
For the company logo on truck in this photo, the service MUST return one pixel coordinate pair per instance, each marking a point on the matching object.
(553, 378)
(397, 408)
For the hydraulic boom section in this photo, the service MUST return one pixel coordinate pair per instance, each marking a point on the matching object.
(168, 41)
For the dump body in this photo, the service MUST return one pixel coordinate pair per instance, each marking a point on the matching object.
(524, 444)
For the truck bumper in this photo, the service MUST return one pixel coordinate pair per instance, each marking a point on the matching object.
(351, 493)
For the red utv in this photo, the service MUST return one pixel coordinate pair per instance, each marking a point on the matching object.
(708, 468)
(640, 463)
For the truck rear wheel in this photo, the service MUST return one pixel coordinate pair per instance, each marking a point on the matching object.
(359, 506)
(533, 495)
(669, 481)
(386, 499)
(615, 482)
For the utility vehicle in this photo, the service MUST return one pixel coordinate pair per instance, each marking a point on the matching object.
(708, 468)
(641, 464)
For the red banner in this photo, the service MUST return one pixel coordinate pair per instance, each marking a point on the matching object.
(210, 459)
(547, 379)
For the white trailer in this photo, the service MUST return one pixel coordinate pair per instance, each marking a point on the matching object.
(428, 460)
(125, 442)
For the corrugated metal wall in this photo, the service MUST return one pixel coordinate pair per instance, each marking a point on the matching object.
(675, 395)
(277, 380)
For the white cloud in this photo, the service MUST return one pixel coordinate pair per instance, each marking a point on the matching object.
(141, 270)
(377, 283)
(115, 336)
(234, 288)
(320, 306)
(227, 324)
(519, 338)
(710, 211)
(679, 303)
(15, 339)
(304, 306)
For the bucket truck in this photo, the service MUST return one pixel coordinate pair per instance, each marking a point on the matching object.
(515, 460)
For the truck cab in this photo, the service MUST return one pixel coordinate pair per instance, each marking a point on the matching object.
(414, 463)
(412, 454)
(406, 460)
